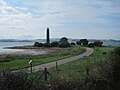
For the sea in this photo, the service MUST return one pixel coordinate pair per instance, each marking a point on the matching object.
(12, 44)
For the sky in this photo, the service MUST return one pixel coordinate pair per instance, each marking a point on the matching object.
(77, 19)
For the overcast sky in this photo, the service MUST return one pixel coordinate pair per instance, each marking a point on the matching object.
(28, 19)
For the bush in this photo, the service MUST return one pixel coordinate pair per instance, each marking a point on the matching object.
(15, 81)
(115, 62)
(84, 42)
(72, 43)
(54, 44)
(64, 45)
(40, 44)
(47, 45)
(64, 42)
(36, 44)
(63, 39)
(117, 51)
(98, 43)
(91, 45)
(78, 42)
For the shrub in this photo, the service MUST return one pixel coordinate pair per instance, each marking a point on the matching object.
(115, 62)
(64, 42)
(15, 81)
(98, 43)
(40, 44)
(47, 45)
(54, 44)
(117, 51)
(63, 39)
(64, 45)
(72, 43)
(78, 43)
(91, 45)
(36, 44)
(84, 42)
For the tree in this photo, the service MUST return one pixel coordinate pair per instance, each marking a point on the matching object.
(91, 45)
(98, 43)
(78, 42)
(54, 44)
(47, 45)
(63, 39)
(64, 42)
(72, 43)
(84, 42)
(36, 44)
(40, 44)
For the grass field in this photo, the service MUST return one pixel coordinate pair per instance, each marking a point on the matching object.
(77, 69)
(19, 63)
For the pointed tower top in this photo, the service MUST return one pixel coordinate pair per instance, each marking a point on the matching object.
(47, 28)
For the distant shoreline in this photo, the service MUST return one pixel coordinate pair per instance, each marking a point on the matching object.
(24, 47)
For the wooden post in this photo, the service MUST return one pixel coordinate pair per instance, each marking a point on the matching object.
(30, 62)
(87, 71)
(31, 67)
(94, 59)
(56, 66)
(45, 73)
(69, 69)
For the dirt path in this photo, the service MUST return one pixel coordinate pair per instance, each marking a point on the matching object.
(88, 52)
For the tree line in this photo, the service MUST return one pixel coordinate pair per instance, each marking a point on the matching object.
(63, 43)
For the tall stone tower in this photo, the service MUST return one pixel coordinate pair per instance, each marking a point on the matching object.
(48, 36)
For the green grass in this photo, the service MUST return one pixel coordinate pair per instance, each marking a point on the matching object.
(23, 62)
(77, 69)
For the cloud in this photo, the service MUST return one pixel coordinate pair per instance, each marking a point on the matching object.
(73, 18)
(5, 9)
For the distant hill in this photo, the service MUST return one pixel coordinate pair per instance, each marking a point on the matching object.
(15, 40)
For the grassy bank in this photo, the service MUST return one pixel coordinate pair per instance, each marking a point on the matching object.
(90, 73)
(99, 71)
(78, 69)
(18, 63)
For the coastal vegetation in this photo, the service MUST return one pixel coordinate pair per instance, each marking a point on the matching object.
(100, 71)
(12, 62)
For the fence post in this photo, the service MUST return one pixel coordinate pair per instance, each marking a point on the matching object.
(45, 73)
(31, 67)
(56, 66)
(30, 62)
(94, 59)
(87, 71)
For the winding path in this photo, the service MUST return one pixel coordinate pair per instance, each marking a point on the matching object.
(88, 52)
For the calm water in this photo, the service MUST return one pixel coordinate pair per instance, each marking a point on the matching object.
(111, 43)
(12, 44)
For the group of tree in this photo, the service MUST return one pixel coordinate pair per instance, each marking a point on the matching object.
(62, 43)
(97, 43)
(85, 42)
